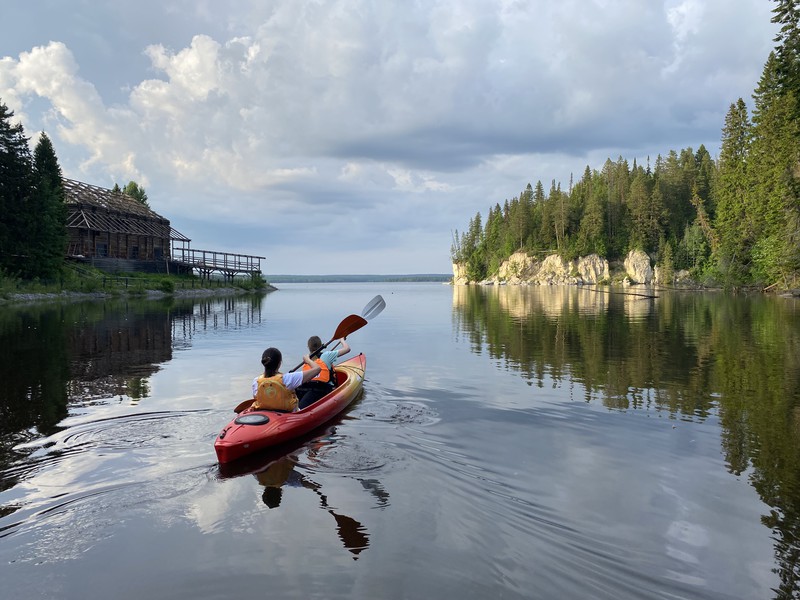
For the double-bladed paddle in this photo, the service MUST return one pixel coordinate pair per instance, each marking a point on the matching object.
(352, 323)
(373, 308)
(348, 325)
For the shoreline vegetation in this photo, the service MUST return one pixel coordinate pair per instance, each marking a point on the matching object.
(93, 284)
(636, 274)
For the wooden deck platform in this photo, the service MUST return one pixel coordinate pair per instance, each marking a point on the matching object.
(207, 262)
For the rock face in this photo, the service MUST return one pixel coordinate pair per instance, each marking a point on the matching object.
(553, 271)
(592, 269)
(520, 268)
(460, 274)
(517, 268)
(586, 270)
(637, 267)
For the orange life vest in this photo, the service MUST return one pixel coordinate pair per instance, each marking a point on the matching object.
(273, 395)
(324, 374)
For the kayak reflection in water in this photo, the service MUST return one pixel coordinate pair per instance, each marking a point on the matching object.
(281, 472)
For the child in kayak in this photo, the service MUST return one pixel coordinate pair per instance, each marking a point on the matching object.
(324, 382)
(276, 391)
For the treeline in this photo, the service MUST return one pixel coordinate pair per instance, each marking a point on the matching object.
(413, 278)
(33, 232)
(606, 212)
(735, 219)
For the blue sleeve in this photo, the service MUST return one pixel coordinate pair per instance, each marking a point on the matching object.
(329, 356)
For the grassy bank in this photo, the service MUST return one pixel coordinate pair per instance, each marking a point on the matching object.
(88, 281)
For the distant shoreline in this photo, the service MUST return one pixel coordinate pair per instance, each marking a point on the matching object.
(415, 277)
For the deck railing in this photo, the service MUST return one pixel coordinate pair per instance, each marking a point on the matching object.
(211, 260)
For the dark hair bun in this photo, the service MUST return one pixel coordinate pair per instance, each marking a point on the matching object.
(271, 356)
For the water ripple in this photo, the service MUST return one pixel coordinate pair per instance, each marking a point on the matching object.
(351, 457)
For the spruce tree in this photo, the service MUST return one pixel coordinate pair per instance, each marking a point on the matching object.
(135, 191)
(618, 183)
(675, 177)
(774, 156)
(787, 15)
(638, 203)
(15, 187)
(706, 179)
(49, 235)
(547, 232)
(732, 223)
(560, 215)
(591, 233)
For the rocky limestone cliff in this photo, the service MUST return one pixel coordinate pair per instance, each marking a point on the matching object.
(460, 274)
(518, 268)
(585, 270)
(553, 271)
(521, 269)
(592, 269)
(637, 267)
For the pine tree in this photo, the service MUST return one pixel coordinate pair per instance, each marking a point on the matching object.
(493, 238)
(592, 230)
(775, 154)
(560, 215)
(787, 49)
(49, 233)
(732, 223)
(706, 179)
(135, 191)
(638, 203)
(618, 183)
(547, 234)
(15, 187)
(473, 247)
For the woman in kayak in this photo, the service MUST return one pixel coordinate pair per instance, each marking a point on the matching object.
(321, 384)
(275, 390)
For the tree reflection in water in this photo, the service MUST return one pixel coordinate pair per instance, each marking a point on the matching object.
(691, 355)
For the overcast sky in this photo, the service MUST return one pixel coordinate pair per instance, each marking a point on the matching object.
(354, 136)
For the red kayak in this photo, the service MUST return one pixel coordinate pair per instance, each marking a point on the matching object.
(253, 430)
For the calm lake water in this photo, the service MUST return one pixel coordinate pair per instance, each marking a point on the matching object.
(510, 443)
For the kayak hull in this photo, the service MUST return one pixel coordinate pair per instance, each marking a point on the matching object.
(239, 438)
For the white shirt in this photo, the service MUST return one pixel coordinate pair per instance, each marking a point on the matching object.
(291, 380)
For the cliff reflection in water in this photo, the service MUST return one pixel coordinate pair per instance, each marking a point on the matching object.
(691, 354)
(56, 355)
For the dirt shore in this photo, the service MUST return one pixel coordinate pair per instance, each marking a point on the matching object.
(24, 298)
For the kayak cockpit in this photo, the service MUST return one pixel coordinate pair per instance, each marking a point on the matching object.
(253, 418)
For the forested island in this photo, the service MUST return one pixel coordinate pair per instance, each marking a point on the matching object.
(730, 221)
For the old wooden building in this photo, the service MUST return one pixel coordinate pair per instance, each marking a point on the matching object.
(103, 224)
(117, 233)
